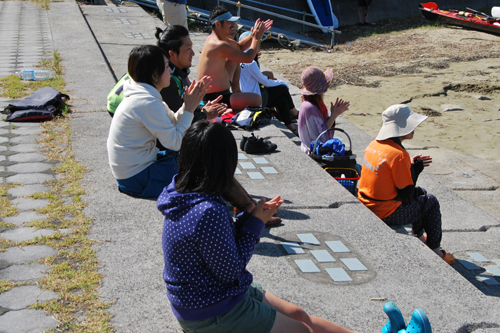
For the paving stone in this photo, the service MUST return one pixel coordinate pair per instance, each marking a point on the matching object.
(27, 321)
(34, 167)
(24, 217)
(24, 273)
(24, 234)
(21, 191)
(3, 139)
(4, 131)
(29, 178)
(21, 297)
(65, 231)
(3, 148)
(4, 264)
(28, 204)
(2, 158)
(19, 255)
(28, 157)
(26, 130)
(26, 147)
(8, 153)
(23, 139)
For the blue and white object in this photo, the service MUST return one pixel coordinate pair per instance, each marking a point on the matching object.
(34, 74)
(322, 11)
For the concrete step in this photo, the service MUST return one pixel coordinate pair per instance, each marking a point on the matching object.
(399, 267)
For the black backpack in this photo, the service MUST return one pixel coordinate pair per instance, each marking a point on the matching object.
(44, 104)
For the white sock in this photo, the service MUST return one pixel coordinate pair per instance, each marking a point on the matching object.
(438, 252)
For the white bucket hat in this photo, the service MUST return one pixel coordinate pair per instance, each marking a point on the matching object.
(399, 120)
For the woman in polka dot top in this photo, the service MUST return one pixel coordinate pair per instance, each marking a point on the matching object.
(206, 252)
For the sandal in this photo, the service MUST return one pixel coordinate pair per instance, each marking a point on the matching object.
(419, 323)
(448, 257)
(273, 221)
(396, 321)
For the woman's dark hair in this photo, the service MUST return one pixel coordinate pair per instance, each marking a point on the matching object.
(171, 38)
(207, 160)
(144, 62)
(313, 99)
(217, 11)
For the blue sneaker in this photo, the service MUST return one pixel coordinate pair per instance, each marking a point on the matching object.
(396, 321)
(419, 323)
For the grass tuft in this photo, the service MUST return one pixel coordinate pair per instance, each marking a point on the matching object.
(13, 87)
(6, 208)
(74, 269)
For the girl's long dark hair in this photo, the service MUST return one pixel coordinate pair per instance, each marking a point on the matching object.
(208, 159)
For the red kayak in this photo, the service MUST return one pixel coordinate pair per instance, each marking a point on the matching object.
(471, 19)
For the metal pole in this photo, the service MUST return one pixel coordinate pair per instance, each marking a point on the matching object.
(303, 20)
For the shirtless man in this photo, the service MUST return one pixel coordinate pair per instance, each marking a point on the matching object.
(221, 55)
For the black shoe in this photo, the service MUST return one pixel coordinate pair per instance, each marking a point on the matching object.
(243, 142)
(255, 145)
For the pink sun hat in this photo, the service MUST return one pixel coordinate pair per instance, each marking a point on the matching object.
(315, 81)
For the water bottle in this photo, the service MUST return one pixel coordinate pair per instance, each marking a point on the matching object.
(34, 74)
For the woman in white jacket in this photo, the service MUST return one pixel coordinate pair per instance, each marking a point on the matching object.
(274, 92)
(142, 118)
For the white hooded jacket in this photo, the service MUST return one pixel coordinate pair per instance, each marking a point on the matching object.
(140, 119)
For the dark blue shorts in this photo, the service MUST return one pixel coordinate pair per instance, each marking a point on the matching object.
(149, 183)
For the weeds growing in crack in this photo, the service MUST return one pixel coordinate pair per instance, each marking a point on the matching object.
(6, 208)
(74, 269)
(73, 275)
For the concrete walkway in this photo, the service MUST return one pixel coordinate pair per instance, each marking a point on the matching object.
(372, 262)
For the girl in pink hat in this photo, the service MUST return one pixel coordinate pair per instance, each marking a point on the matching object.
(313, 115)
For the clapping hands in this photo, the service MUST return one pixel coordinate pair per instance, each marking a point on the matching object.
(214, 109)
(194, 94)
(338, 108)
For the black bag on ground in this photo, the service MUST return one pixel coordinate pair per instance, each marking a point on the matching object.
(44, 104)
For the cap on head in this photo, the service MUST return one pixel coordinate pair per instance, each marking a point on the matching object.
(315, 81)
(227, 16)
(399, 121)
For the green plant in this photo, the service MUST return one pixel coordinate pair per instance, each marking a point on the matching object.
(13, 87)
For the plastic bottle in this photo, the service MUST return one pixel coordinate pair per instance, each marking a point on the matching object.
(34, 74)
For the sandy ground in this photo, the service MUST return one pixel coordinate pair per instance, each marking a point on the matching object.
(430, 69)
